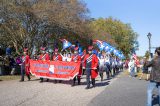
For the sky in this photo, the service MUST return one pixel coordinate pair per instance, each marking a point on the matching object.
(143, 15)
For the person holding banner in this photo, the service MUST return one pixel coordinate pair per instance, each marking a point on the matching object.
(56, 57)
(77, 58)
(44, 56)
(90, 64)
(69, 57)
(25, 65)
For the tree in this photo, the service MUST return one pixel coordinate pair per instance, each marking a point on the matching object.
(115, 32)
(147, 54)
(33, 22)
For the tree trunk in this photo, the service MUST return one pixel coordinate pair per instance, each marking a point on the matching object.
(16, 47)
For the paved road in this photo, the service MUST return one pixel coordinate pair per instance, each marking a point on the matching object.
(120, 91)
(126, 91)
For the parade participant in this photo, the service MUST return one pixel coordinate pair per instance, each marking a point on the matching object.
(56, 57)
(101, 66)
(82, 58)
(69, 57)
(25, 65)
(116, 65)
(35, 56)
(44, 57)
(113, 66)
(64, 55)
(77, 58)
(120, 65)
(90, 64)
(107, 66)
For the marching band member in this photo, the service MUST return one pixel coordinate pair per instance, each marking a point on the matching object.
(25, 65)
(44, 57)
(77, 58)
(90, 64)
(56, 57)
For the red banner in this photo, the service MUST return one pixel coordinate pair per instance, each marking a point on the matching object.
(54, 69)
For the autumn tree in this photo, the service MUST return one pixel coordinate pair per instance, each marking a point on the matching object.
(115, 32)
(32, 22)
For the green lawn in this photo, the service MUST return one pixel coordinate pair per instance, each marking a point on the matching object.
(9, 77)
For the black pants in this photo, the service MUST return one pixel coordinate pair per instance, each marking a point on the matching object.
(101, 75)
(22, 75)
(74, 80)
(83, 71)
(114, 71)
(41, 79)
(88, 75)
(108, 71)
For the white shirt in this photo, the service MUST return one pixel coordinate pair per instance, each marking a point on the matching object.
(131, 63)
(101, 62)
(107, 60)
(69, 59)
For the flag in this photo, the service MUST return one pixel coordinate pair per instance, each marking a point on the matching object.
(95, 52)
(111, 49)
(66, 43)
(80, 50)
(121, 56)
(99, 44)
(135, 58)
(107, 47)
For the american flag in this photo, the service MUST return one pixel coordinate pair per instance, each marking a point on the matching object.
(136, 59)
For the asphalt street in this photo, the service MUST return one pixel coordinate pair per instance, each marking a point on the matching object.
(126, 91)
(119, 91)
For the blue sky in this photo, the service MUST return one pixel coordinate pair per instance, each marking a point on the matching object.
(143, 15)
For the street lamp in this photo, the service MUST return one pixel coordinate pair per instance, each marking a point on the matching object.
(149, 38)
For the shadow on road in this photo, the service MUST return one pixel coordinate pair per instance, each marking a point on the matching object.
(102, 84)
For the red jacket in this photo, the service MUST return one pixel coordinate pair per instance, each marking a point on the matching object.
(25, 60)
(77, 58)
(94, 64)
(57, 58)
(44, 57)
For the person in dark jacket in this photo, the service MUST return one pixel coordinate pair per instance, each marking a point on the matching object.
(144, 69)
(154, 76)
